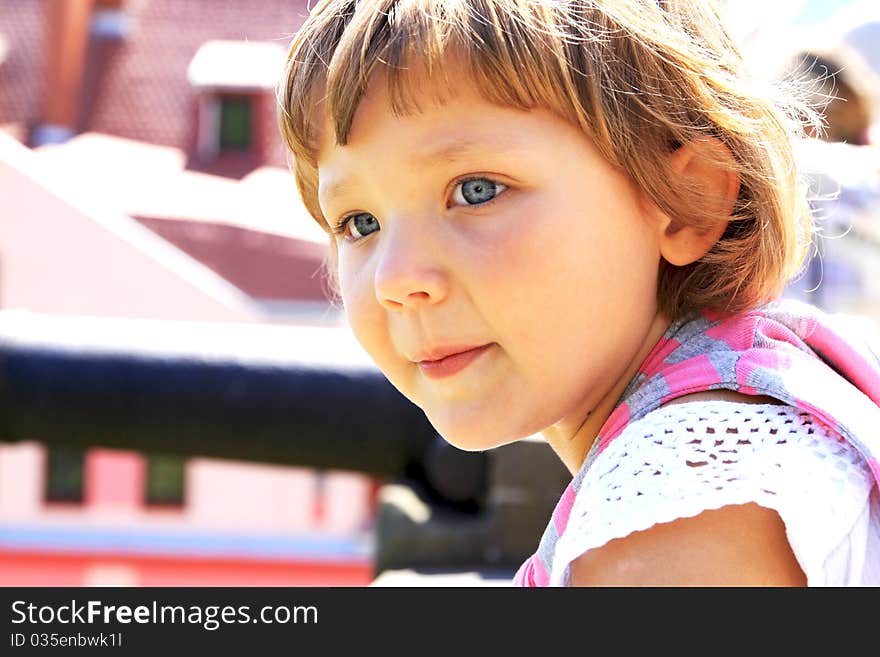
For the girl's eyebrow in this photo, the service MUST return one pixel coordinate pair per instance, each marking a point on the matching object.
(455, 149)
(444, 152)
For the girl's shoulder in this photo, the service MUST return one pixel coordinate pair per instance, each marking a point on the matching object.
(678, 481)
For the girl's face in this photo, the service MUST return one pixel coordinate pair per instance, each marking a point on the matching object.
(475, 225)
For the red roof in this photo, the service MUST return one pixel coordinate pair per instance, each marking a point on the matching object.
(239, 216)
(139, 88)
(143, 92)
(66, 252)
(253, 231)
(265, 266)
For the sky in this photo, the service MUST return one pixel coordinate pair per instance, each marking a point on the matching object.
(770, 30)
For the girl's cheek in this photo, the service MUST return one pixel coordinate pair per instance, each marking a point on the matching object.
(350, 276)
(358, 299)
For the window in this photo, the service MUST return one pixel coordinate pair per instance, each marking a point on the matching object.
(64, 474)
(234, 83)
(235, 123)
(165, 480)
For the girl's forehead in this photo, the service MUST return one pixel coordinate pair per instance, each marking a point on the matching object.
(414, 92)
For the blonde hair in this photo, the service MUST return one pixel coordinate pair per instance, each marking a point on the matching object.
(640, 78)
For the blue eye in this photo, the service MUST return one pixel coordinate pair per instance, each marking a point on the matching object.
(361, 223)
(476, 191)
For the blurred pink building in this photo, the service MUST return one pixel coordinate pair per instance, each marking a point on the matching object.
(142, 177)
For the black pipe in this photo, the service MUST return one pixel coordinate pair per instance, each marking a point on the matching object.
(116, 383)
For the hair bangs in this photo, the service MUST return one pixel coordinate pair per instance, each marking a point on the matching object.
(512, 59)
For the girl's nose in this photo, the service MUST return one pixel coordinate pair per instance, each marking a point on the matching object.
(409, 274)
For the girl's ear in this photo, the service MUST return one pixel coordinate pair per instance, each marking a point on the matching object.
(708, 166)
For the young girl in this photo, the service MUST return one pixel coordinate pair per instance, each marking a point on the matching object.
(576, 218)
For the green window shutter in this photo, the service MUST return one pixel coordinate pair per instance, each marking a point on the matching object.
(65, 474)
(165, 479)
(235, 123)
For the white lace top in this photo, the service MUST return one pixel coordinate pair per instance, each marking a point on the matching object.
(686, 458)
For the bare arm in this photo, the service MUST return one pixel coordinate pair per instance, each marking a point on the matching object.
(736, 545)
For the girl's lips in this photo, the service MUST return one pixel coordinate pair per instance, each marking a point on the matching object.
(438, 369)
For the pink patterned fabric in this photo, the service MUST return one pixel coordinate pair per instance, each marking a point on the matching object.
(787, 349)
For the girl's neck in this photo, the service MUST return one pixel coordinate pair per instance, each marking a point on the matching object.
(572, 448)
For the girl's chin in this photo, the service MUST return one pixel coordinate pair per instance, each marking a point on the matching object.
(476, 440)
